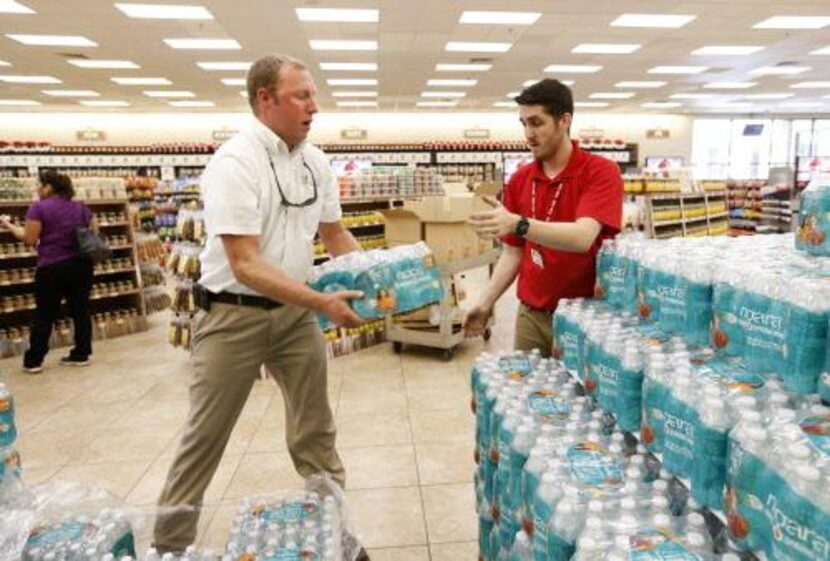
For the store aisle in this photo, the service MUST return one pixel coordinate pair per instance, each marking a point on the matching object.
(405, 434)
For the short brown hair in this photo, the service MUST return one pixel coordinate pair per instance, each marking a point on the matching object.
(551, 94)
(265, 73)
(61, 184)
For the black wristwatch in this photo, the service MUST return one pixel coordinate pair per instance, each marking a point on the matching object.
(522, 226)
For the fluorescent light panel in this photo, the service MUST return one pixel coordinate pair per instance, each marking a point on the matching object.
(341, 15)
(53, 40)
(234, 81)
(612, 95)
(104, 103)
(100, 63)
(222, 66)
(124, 81)
(590, 104)
(511, 95)
(28, 79)
(692, 96)
(473, 47)
(12, 7)
(349, 66)
(499, 18)
(339, 45)
(800, 104)
(643, 85)
(352, 82)
(476, 67)
(441, 82)
(730, 85)
(443, 94)
(727, 50)
(504, 104)
(811, 85)
(191, 104)
(19, 102)
(354, 94)
(72, 93)
(661, 105)
(204, 44)
(164, 11)
(652, 20)
(436, 103)
(822, 51)
(768, 96)
(357, 103)
(605, 48)
(572, 68)
(4, 63)
(794, 22)
(677, 69)
(169, 93)
(779, 70)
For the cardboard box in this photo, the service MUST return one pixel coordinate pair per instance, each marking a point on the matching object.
(441, 222)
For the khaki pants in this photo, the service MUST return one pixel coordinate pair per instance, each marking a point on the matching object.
(534, 330)
(230, 343)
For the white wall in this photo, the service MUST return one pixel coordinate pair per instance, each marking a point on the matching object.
(149, 128)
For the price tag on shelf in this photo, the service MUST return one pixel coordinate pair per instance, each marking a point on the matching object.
(168, 173)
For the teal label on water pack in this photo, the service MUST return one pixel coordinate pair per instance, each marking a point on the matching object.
(817, 429)
(679, 426)
(813, 235)
(658, 545)
(379, 294)
(516, 367)
(291, 555)
(67, 532)
(417, 283)
(628, 407)
(593, 465)
(549, 405)
(709, 469)
(652, 432)
(292, 512)
(672, 296)
(607, 374)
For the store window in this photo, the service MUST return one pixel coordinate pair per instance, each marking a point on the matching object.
(821, 133)
(710, 148)
(749, 150)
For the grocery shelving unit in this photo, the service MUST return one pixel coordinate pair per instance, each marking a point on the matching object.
(686, 214)
(757, 207)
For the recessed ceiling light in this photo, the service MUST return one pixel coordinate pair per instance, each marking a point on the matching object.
(644, 85)
(169, 93)
(768, 96)
(443, 94)
(473, 47)
(810, 85)
(476, 67)
(354, 94)
(528, 83)
(437, 103)
(339, 45)
(4, 63)
(342, 15)
(822, 51)
(678, 69)
(98, 63)
(793, 22)
(499, 18)
(28, 79)
(440, 82)
(779, 70)
(12, 7)
(652, 20)
(505, 104)
(573, 68)
(349, 66)
(357, 103)
(104, 103)
(605, 49)
(612, 95)
(692, 96)
(204, 44)
(222, 66)
(141, 81)
(19, 102)
(164, 11)
(72, 93)
(589, 104)
(800, 104)
(234, 81)
(191, 104)
(660, 105)
(727, 50)
(352, 82)
(53, 40)
(730, 85)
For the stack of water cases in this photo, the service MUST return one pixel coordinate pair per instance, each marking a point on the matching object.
(557, 479)
(727, 333)
(814, 217)
(9, 458)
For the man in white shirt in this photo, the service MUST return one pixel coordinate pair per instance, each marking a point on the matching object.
(267, 192)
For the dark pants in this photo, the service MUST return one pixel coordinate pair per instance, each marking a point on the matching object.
(70, 279)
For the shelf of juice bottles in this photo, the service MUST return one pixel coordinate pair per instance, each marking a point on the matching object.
(97, 274)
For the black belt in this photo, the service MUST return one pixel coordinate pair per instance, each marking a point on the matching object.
(203, 294)
(532, 309)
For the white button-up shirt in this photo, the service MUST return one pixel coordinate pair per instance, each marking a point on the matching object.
(241, 192)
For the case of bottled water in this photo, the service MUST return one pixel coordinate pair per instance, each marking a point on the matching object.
(813, 234)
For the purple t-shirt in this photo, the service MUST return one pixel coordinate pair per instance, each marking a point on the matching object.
(60, 219)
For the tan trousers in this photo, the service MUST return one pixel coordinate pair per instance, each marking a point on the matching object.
(230, 343)
(534, 330)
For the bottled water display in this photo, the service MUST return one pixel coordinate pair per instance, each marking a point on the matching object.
(813, 234)
(299, 527)
(397, 280)
(9, 458)
(81, 538)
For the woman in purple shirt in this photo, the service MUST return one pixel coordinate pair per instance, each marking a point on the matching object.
(62, 272)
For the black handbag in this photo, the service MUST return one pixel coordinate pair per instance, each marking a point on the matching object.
(92, 245)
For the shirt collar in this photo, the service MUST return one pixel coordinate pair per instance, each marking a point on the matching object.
(574, 164)
(275, 145)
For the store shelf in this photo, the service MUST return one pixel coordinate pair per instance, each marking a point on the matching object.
(112, 224)
(18, 256)
(116, 295)
(97, 274)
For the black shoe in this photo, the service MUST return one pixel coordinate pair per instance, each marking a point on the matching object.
(75, 361)
(362, 556)
(34, 369)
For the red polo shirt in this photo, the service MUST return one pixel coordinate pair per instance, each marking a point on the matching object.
(591, 187)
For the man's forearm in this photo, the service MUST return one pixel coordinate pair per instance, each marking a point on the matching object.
(504, 274)
(341, 243)
(576, 237)
(261, 277)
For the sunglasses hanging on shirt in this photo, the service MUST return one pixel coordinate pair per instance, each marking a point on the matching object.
(309, 174)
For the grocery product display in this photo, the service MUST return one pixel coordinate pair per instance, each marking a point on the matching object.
(813, 235)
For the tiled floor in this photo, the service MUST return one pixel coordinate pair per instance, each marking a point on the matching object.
(405, 435)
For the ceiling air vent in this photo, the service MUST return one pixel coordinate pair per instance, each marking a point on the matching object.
(73, 55)
(481, 60)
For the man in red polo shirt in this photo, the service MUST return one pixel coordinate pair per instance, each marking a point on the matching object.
(556, 213)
